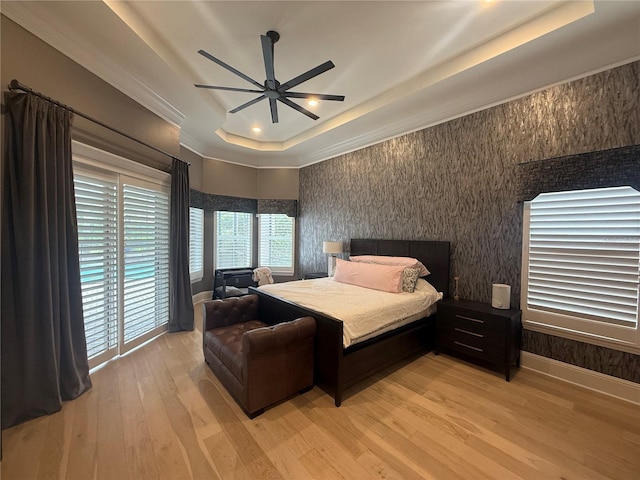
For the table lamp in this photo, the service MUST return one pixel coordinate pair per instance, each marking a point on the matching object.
(332, 248)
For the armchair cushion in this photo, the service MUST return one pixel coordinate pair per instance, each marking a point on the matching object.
(226, 344)
(257, 363)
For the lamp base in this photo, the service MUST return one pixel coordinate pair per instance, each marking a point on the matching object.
(331, 265)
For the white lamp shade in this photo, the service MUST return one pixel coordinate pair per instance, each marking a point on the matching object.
(332, 247)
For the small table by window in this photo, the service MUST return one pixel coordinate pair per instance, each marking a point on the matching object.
(232, 282)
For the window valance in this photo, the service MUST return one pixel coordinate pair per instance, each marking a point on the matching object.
(211, 202)
(605, 168)
(286, 207)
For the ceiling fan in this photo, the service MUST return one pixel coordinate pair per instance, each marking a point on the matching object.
(272, 89)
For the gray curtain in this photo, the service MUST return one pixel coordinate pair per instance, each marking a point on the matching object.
(180, 301)
(44, 352)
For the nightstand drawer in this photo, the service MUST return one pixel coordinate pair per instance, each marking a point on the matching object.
(471, 345)
(480, 332)
(473, 321)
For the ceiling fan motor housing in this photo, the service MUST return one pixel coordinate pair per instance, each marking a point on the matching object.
(273, 35)
(272, 89)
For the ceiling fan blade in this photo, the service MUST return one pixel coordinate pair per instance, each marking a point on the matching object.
(314, 72)
(297, 107)
(229, 67)
(274, 110)
(248, 104)
(315, 96)
(230, 89)
(267, 53)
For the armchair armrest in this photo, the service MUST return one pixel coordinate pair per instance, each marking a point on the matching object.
(222, 313)
(276, 336)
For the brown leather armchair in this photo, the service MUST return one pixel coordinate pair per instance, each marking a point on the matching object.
(257, 363)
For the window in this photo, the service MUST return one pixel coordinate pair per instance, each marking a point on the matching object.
(276, 243)
(233, 245)
(196, 244)
(581, 264)
(123, 238)
(145, 226)
(97, 213)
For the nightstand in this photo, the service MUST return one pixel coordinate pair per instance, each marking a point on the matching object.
(480, 333)
(310, 276)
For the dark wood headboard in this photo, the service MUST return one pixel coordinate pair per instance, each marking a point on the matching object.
(434, 256)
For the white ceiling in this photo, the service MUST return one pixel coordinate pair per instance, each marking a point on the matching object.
(401, 65)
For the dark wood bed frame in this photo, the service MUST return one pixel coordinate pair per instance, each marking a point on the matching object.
(336, 367)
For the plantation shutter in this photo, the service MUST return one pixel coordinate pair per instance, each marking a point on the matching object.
(196, 243)
(97, 215)
(276, 242)
(584, 254)
(146, 260)
(233, 240)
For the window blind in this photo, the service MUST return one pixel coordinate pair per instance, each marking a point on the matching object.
(584, 254)
(196, 243)
(233, 246)
(97, 215)
(146, 260)
(276, 242)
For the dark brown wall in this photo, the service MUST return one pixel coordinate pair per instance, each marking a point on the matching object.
(456, 181)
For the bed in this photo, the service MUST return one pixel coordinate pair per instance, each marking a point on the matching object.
(338, 367)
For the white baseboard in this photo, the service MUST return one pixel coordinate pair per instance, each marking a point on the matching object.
(202, 296)
(599, 382)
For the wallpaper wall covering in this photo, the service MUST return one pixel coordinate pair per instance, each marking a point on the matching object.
(457, 181)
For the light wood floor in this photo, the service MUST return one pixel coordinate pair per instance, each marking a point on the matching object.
(160, 413)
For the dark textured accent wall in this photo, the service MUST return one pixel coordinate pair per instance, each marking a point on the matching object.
(457, 181)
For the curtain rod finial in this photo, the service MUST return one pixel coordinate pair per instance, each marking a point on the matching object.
(15, 84)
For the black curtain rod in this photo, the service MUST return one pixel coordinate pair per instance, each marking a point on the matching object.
(16, 85)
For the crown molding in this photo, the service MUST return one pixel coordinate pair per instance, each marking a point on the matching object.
(27, 15)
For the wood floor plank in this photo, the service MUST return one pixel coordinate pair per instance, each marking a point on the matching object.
(168, 455)
(271, 439)
(160, 413)
(137, 439)
(55, 451)
(225, 457)
(377, 468)
(110, 444)
(229, 416)
(319, 468)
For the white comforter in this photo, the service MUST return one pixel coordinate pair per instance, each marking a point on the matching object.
(364, 312)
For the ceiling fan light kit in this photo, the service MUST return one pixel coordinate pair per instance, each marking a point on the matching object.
(272, 89)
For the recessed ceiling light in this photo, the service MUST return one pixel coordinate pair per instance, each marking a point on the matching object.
(256, 129)
(313, 103)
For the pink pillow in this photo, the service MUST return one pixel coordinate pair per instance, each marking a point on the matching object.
(406, 262)
(387, 278)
